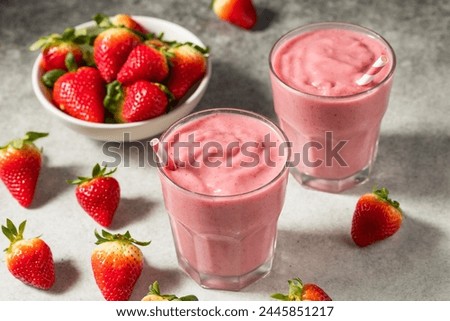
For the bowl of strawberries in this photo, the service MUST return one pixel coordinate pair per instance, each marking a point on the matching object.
(121, 78)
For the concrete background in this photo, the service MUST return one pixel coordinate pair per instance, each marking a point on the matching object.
(314, 229)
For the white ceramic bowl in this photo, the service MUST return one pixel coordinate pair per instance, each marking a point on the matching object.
(137, 130)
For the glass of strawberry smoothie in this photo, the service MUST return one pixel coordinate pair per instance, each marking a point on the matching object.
(224, 194)
(332, 122)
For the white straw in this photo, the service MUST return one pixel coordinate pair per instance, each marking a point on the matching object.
(162, 154)
(367, 78)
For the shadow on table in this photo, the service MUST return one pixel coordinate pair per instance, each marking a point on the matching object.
(232, 87)
(414, 165)
(131, 210)
(66, 275)
(398, 268)
(168, 280)
(52, 183)
(265, 18)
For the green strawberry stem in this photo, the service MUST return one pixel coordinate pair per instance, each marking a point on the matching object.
(102, 20)
(295, 291)
(69, 35)
(12, 233)
(70, 62)
(114, 96)
(108, 237)
(29, 138)
(383, 194)
(50, 77)
(154, 290)
(97, 172)
(104, 23)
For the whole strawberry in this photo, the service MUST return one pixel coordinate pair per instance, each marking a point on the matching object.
(376, 217)
(55, 48)
(139, 101)
(111, 50)
(20, 165)
(241, 13)
(98, 195)
(119, 20)
(188, 66)
(302, 292)
(31, 260)
(154, 294)
(80, 94)
(127, 21)
(117, 264)
(145, 62)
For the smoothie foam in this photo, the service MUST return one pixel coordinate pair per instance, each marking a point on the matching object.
(230, 157)
(328, 62)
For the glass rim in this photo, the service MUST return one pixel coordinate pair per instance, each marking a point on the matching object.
(341, 25)
(230, 110)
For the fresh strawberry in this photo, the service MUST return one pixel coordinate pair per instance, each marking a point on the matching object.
(154, 294)
(20, 164)
(145, 62)
(375, 218)
(80, 94)
(55, 48)
(141, 100)
(124, 20)
(302, 292)
(31, 260)
(241, 13)
(119, 20)
(98, 195)
(111, 50)
(188, 66)
(117, 264)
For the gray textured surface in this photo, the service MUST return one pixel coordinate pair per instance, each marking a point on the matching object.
(314, 239)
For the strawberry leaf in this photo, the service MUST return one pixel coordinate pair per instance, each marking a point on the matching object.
(50, 77)
(102, 21)
(32, 136)
(68, 34)
(280, 296)
(108, 237)
(97, 171)
(70, 62)
(383, 194)
(22, 227)
(187, 298)
(8, 233)
(114, 96)
(10, 225)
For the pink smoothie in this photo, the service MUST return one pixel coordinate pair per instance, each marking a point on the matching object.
(224, 206)
(314, 73)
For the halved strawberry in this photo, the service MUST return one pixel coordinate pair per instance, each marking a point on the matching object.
(141, 100)
(145, 62)
(20, 165)
(188, 66)
(302, 292)
(376, 217)
(241, 13)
